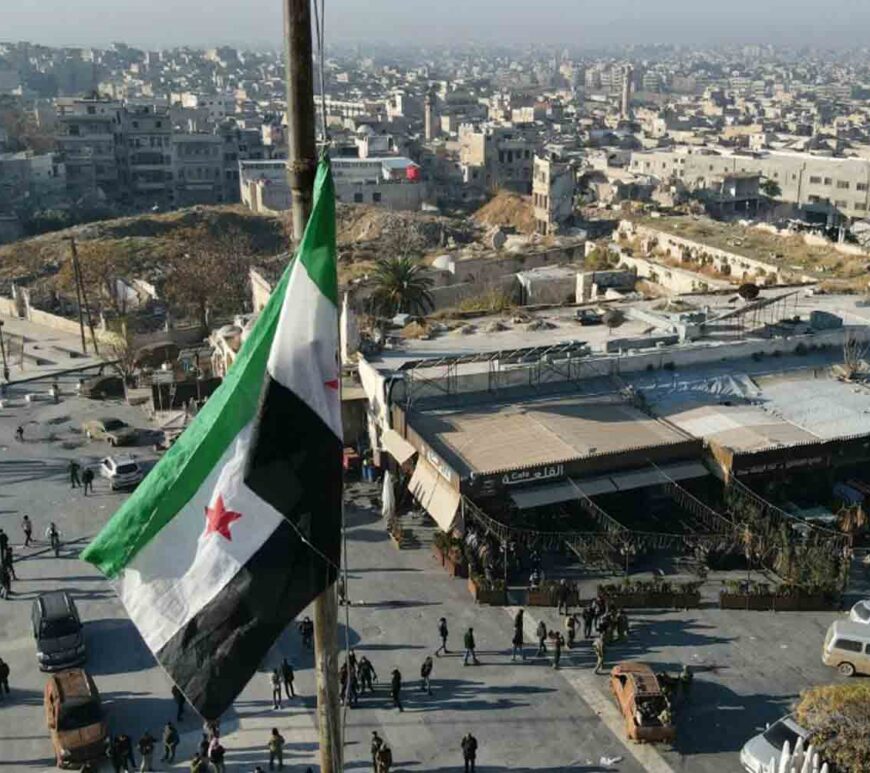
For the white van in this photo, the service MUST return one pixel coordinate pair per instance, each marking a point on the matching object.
(847, 647)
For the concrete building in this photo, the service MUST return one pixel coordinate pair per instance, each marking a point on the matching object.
(198, 169)
(147, 132)
(88, 138)
(36, 181)
(496, 157)
(393, 183)
(816, 183)
(552, 195)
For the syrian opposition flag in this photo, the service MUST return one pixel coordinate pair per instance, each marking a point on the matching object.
(238, 527)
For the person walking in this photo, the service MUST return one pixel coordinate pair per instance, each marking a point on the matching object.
(442, 632)
(276, 749)
(5, 582)
(558, 643)
(384, 759)
(571, 627)
(74, 468)
(287, 677)
(469, 752)
(146, 749)
(53, 536)
(306, 631)
(178, 697)
(518, 645)
(396, 689)
(366, 672)
(4, 543)
(216, 754)
(562, 596)
(9, 562)
(275, 681)
(541, 633)
(124, 751)
(88, 481)
(343, 674)
(622, 624)
(4, 678)
(469, 648)
(198, 764)
(377, 743)
(425, 674)
(598, 649)
(586, 614)
(27, 528)
(170, 742)
(19, 434)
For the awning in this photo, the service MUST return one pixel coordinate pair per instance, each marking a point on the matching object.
(435, 494)
(538, 496)
(400, 448)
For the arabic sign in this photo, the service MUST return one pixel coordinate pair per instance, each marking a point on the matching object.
(518, 477)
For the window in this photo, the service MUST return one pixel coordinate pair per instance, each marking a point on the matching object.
(815, 180)
(841, 204)
(357, 198)
(92, 110)
(861, 186)
(376, 197)
(158, 124)
(848, 645)
(828, 181)
(842, 185)
(860, 205)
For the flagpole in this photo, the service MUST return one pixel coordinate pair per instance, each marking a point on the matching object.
(301, 168)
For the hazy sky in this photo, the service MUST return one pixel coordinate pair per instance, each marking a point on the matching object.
(589, 23)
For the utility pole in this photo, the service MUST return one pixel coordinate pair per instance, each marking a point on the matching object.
(84, 295)
(301, 168)
(75, 263)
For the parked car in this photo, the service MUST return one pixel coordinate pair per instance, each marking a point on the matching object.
(115, 431)
(101, 387)
(75, 720)
(121, 471)
(860, 613)
(847, 647)
(589, 317)
(57, 628)
(642, 702)
(764, 747)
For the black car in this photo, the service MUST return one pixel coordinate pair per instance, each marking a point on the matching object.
(100, 387)
(57, 628)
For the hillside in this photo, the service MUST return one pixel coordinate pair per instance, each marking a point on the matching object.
(507, 209)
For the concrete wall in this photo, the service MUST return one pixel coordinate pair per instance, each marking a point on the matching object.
(677, 280)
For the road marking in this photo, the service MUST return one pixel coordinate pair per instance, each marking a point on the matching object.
(586, 685)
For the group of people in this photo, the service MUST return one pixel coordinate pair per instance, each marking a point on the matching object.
(119, 749)
(283, 676)
(357, 675)
(86, 482)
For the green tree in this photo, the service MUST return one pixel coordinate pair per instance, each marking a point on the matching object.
(401, 287)
(771, 189)
(838, 719)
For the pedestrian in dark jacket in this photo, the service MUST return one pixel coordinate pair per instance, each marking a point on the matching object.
(425, 674)
(366, 673)
(124, 751)
(558, 643)
(587, 615)
(146, 749)
(5, 581)
(4, 678)
(9, 561)
(518, 645)
(27, 528)
(170, 742)
(469, 752)
(396, 689)
(541, 633)
(562, 596)
(469, 648)
(377, 743)
(88, 481)
(74, 474)
(442, 632)
(287, 677)
(4, 543)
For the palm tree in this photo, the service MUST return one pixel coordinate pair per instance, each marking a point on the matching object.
(401, 287)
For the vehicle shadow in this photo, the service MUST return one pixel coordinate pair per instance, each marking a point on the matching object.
(116, 647)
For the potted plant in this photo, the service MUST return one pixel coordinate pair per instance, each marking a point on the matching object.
(487, 591)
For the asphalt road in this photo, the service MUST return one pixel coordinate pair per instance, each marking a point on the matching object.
(526, 716)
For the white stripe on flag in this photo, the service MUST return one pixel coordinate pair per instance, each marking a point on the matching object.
(304, 356)
(183, 568)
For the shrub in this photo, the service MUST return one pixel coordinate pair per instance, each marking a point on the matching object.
(838, 719)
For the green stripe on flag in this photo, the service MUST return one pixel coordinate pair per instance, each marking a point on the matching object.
(317, 250)
(181, 472)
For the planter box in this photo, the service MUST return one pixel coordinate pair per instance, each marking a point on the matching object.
(540, 598)
(496, 598)
(652, 600)
(454, 569)
(816, 602)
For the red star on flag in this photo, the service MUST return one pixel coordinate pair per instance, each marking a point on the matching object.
(332, 383)
(218, 519)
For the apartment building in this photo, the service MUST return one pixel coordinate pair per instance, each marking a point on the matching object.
(39, 180)
(809, 181)
(552, 195)
(147, 136)
(198, 169)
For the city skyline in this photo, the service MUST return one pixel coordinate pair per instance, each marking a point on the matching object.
(579, 23)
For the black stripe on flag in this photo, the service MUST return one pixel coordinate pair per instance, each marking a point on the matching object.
(295, 465)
